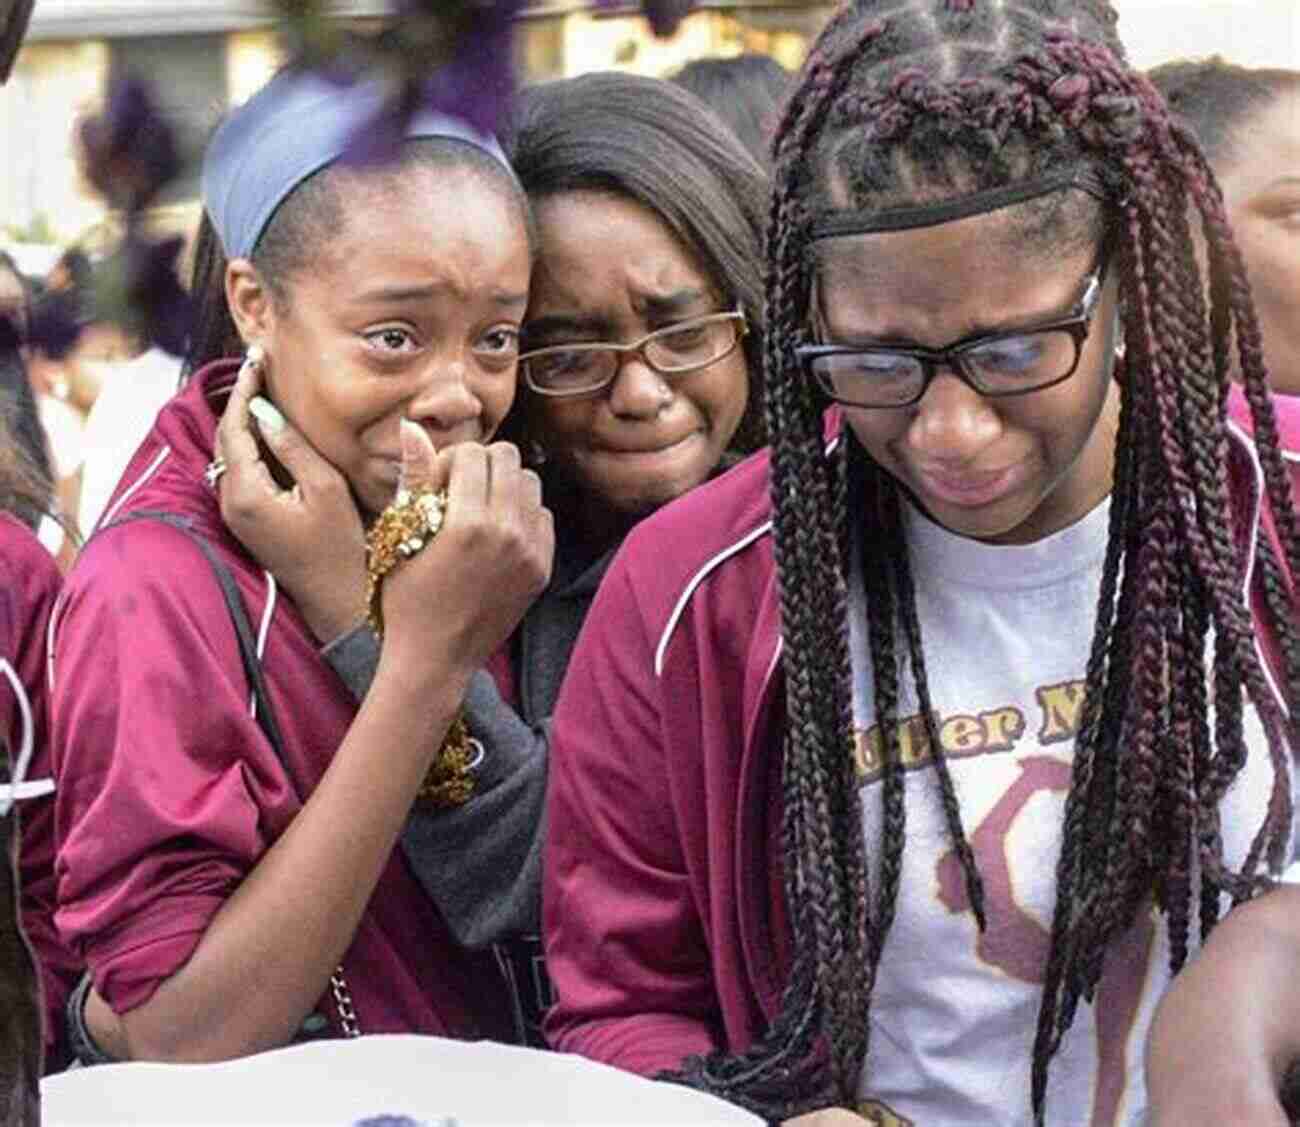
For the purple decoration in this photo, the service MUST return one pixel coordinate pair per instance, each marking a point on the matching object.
(452, 56)
(478, 83)
(130, 150)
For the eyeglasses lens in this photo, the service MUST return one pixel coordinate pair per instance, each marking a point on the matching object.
(881, 377)
(683, 348)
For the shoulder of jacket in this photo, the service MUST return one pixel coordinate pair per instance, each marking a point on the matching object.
(672, 550)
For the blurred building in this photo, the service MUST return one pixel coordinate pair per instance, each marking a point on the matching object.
(560, 39)
(204, 55)
(207, 54)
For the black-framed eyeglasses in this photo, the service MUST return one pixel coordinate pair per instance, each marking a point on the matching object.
(584, 368)
(997, 365)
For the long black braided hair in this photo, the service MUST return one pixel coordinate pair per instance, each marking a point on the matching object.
(908, 101)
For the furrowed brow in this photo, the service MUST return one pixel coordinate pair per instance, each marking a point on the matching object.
(562, 327)
(675, 303)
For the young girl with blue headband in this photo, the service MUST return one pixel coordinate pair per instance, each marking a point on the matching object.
(228, 814)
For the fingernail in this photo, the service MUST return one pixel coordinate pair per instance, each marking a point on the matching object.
(412, 437)
(267, 414)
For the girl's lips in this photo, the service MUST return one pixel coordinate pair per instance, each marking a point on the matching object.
(967, 489)
(646, 451)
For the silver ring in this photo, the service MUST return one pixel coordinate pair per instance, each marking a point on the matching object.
(213, 473)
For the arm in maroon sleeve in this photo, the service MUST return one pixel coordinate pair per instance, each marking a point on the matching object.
(29, 585)
(209, 932)
(625, 945)
(155, 750)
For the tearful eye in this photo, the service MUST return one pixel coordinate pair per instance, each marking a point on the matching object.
(391, 338)
(563, 363)
(884, 364)
(685, 340)
(500, 341)
(1010, 354)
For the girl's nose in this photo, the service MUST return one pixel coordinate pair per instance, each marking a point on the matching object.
(638, 391)
(448, 405)
(953, 422)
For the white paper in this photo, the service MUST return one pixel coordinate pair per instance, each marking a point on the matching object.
(336, 1083)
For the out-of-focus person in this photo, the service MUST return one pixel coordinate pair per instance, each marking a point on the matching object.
(15, 293)
(17, 398)
(36, 969)
(745, 91)
(76, 377)
(1248, 122)
(46, 428)
(71, 271)
(132, 392)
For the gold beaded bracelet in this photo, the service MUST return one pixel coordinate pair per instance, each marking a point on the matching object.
(404, 528)
(401, 531)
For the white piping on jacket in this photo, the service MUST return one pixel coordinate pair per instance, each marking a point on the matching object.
(107, 518)
(267, 612)
(695, 581)
(49, 643)
(699, 577)
(19, 786)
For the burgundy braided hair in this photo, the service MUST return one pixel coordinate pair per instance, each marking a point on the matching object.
(903, 101)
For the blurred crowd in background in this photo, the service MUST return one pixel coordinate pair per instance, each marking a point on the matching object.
(204, 57)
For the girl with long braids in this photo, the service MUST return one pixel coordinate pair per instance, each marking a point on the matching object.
(961, 717)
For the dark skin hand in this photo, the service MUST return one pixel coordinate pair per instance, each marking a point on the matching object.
(1228, 1029)
(309, 536)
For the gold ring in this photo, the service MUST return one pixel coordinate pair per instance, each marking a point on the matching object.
(403, 529)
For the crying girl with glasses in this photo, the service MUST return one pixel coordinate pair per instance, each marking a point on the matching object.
(637, 381)
(643, 314)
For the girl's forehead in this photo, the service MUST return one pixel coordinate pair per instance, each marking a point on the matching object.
(1265, 149)
(936, 283)
(976, 244)
(406, 248)
(375, 206)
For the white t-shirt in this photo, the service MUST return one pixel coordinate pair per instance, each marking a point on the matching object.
(1007, 631)
(129, 400)
(64, 431)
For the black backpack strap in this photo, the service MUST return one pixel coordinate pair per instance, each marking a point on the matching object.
(244, 634)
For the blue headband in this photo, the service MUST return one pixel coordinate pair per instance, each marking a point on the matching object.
(294, 126)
